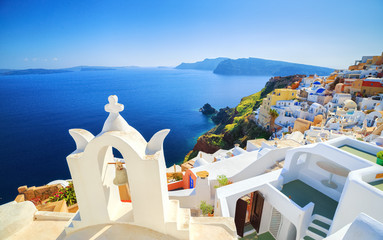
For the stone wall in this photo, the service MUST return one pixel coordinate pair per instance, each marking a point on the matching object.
(36, 193)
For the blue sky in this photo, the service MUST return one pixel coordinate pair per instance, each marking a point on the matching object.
(65, 33)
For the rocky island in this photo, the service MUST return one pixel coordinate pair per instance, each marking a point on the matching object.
(207, 109)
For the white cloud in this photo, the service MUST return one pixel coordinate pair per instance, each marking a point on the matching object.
(55, 59)
(34, 59)
(26, 59)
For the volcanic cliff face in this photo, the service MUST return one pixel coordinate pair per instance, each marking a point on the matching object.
(264, 67)
(237, 125)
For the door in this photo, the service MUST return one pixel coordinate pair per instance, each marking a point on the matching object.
(191, 182)
(240, 216)
(256, 210)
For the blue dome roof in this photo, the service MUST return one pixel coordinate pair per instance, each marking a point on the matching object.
(316, 83)
(320, 90)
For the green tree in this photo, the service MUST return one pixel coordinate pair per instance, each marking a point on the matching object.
(273, 115)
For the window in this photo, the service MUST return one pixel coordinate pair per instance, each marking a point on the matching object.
(302, 159)
(292, 94)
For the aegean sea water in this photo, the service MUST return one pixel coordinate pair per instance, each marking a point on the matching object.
(38, 110)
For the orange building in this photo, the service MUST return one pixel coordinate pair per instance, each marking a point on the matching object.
(189, 179)
(371, 88)
(339, 88)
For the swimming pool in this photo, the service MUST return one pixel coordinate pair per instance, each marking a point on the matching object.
(360, 153)
(378, 184)
(302, 194)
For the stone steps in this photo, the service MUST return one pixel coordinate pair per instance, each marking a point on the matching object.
(318, 228)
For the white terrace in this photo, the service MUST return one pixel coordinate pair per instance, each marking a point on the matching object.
(321, 189)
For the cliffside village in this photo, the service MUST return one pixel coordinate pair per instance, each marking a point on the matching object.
(319, 108)
(319, 177)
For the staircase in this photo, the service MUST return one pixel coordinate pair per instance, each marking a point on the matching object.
(178, 220)
(181, 225)
(318, 228)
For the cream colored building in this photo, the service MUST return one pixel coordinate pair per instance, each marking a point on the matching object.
(271, 100)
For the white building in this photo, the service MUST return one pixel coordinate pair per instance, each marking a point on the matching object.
(369, 103)
(372, 118)
(314, 110)
(337, 101)
(320, 191)
(237, 168)
(307, 81)
(150, 214)
(313, 95)
(289, 111)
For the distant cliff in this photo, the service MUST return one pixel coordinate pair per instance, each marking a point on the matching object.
(263, 67)
(52, 71)
(237, 125)
(34, 71)
(207, 64)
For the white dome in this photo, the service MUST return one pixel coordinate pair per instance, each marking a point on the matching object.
(349, 104)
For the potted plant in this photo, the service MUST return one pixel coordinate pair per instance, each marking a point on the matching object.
(206, 209)
(379, 159)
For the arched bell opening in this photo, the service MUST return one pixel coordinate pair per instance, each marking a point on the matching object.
(121, 176)
(115, 174)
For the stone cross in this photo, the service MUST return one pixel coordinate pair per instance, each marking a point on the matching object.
(113, 106)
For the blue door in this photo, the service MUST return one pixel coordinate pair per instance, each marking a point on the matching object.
(191, 182)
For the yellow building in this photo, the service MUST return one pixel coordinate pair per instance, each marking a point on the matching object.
(356, 86)
(271, 100)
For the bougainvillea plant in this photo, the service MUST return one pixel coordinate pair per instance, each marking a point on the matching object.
(66, 194)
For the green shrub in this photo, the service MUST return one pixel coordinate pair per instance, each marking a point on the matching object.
(215, 140)
(380, 155)
(222, 181)
(206, 208)
(177, 176)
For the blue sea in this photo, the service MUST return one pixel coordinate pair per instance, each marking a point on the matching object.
(38, 110)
